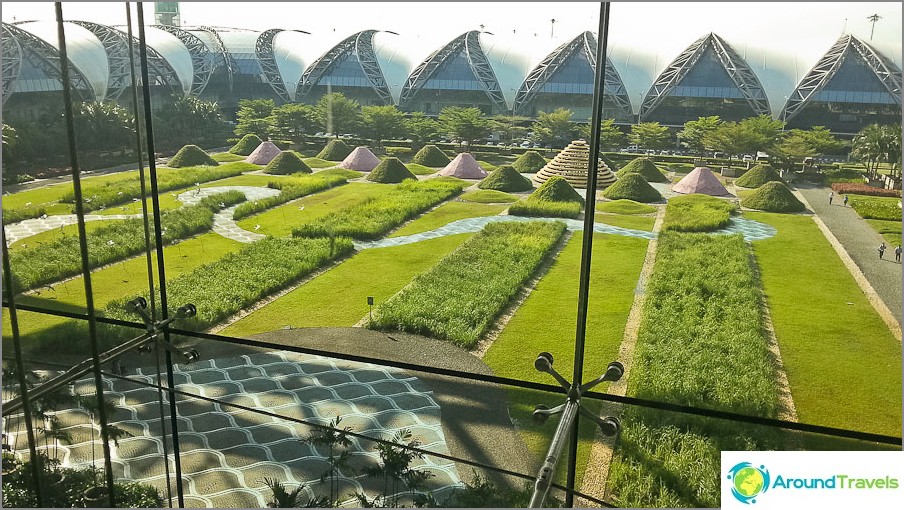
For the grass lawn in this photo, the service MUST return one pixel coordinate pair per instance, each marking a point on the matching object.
(823, 321)
(546, 322)
(120, 280)
(52, 235)
(489, 167)
(890, 230)
(447, 213)
(696, 213)
(319, 163)
(489, 196)
(624, 206)
(279, 221)
(417, 169)
(377, 272)
(227, 157)
(627, 221)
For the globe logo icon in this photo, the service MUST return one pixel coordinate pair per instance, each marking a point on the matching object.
(748, 481)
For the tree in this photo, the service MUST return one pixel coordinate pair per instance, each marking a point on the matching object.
(253, 117)
(877, 144)
(822, 140)
(649, 135)
(768, 131)
(338, 114)
(102, 125)
(187, 117)
(467, 124)
(695, 131)
(10, 138)
(734, 138)
(555, 128)
(383, 123)
(791, 151)
(291, 121)
(421, 129)
(510, 127)
(611, 137)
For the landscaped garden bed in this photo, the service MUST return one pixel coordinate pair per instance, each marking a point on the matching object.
(298, 187)
(697, 213)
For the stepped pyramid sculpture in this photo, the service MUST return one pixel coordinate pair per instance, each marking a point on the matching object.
(264, 153)
(572, 164)
(360, 159)
(464, 166)
(700, 180)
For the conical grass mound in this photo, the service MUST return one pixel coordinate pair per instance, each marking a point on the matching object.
(645, 168)
(632, 187)
(390, 171)
(191, 155)
(757, 176)
(336, 150)
(556, 189)
(285, 163)
(506, 178)
(246, 145)
(773, 197)
(529, 163)
(431, 156)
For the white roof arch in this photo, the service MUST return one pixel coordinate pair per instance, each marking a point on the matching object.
(175, 53)
(84, 50)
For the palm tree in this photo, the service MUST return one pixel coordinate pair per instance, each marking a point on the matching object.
(282, 498)
(871, 146)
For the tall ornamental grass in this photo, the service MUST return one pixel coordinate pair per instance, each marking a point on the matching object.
(697, 213)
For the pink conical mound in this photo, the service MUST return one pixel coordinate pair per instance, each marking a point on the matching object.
(360, 159)
(264, 153)
(700, 180)
(464, 166)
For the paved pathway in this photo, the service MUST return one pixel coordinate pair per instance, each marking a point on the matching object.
(28, 228)
(223, 223)
(860, 241)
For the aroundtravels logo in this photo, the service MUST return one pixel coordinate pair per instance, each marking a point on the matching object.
(748, 481)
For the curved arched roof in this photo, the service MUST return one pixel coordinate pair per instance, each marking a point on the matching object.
(291, 63)
(393, 54)
(83, 49)
(175, 53)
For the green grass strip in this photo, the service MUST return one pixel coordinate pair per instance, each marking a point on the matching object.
(823, 321)
(889, 230)
(460, 297)
(541, 208)
(447, 213)
(378, 272)
(627, 221)
(375, 218)
(877, 208)
(290, 189)
(417, 169)
(696, 213)
(227, 157)
(624, 206)
(489, 196)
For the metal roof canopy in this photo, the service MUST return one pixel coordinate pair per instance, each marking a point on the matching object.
(362, 44)
(202, 67)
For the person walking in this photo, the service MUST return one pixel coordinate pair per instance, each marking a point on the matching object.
(898, 254)
(831, 196)
(845, 200)
(881, 251)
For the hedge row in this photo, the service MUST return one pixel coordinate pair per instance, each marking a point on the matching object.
(297, 187)
(863, 189)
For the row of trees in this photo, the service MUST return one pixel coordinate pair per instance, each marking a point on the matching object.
(877, 144)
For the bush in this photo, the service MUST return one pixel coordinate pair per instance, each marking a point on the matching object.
(16, 215)
(757, 176)
(632, 187)
(191, 155)
(645, 168)
(461, 296)
(556, 189)
(696, 213)
(390, 171)
(773, 197)
(375, 218)
(625, 207)
(335, 150)
(530, 162)
(246, 145)
(285, 163)
(289, 190)
(543, 209)
(431, 156)
(862, 189)
(506, 178)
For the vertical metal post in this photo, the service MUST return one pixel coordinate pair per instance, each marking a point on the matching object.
(158, 237)
(587, 247)
(83, 249)
(20, 367)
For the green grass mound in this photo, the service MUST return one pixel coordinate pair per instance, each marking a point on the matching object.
(757, 176)
(285, 163)
(191, 155)
(336, 150)
(489, 196)
(530, 162)
(246, 145)
(632, 186)
(608, 161)
(506, 178)
(773, 197)
(431, 156)
(625, 207)
(390, 171)
(645, 168)
(556, 189)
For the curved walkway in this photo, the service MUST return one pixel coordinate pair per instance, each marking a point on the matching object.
(223, 223)
(860, 241)
(34, 226)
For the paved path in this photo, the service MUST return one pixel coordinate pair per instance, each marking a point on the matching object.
(28, 228)
(223, 223)
(860, 241)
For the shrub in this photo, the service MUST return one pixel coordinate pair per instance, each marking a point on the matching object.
(375, 218)
(191, 155)
(645, 168)
(390, 171)
(556, 189)
(544, 209)
(862, 189)
(757, 176)
(506, 178)
(773, 197)
(461, 296)
(289, 190)
(632, 187)
(432, 156)
(625, 207)
(246, 145)
(335, 150)
(16, 215)
(285, 163)
(696, 213)
(530, 162)
(488, 197)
